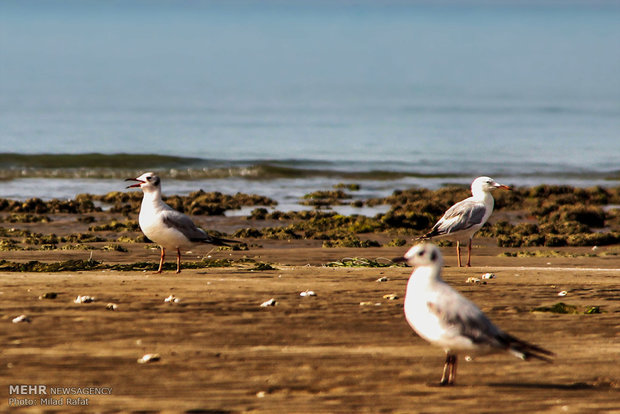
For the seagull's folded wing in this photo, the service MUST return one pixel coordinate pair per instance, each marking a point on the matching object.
(461, 317)
(461, 216)
(184, 224)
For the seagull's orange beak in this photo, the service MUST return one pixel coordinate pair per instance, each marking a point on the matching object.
(505, 187)
(138, 184)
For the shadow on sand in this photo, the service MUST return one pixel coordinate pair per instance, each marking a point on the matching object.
(550, 386)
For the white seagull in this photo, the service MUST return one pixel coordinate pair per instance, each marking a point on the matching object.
(466, 217)
(166, 226)
(443, 317)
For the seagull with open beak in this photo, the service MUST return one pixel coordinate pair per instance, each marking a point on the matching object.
(162, 224)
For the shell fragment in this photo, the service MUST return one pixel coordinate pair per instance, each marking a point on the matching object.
(172, 299)
(84, 299)
(147, 358)
(21, 318)
(270, 302)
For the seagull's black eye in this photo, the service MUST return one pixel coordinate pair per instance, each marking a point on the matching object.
(433, 256)
(148, 178)
(421, 253)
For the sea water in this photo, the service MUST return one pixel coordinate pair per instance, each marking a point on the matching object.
(282, 98)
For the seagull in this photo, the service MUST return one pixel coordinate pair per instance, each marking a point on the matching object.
(164, 225)
(466, 217)
(445, 318)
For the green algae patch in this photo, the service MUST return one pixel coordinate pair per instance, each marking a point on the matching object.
(397, 243)
(26, 218)
(8, 245)
(129, 225)
(36, 266)
(593, 309)
(82, 265)
(350, 241)
(348, 186)
(564, 308)
(260, 266)
(115, 248)
(363, 262)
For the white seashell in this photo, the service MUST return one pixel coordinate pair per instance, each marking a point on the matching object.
(488, 276)
(270, 302)
(391, 296)
(563, 293)
(149, 358)
(21, 318)
(475, 280)
(383, 279)
(84, 299)
(111, 306)
(307, 293)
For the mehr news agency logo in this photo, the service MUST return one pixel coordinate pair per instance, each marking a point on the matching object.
(31, 395)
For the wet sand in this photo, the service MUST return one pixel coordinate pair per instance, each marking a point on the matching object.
(221, 352)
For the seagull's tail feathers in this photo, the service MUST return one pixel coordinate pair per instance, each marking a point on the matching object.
(525, 350)
(434, 232)
(218, 241)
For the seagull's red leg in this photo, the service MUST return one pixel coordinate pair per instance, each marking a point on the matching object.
(458, 252)
(452, 376)
(161, 259)
(469, 253)
(178, 260)
(447, 370)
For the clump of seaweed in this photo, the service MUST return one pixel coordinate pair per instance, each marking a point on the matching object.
(77, 246)
(141, 238)
(325, 198)
(397, 243)
(564, 308)
(259, 213)
(128, 225)
(350, 241)
(363, 262)
(79, 265)
(115, 248)
(260, 266)
(40, 239)
(347, 186)
(54, 206)
(248, 232)
(26, 218)
(234, 247)
(82, 238)
(36, 266)
(7, 245)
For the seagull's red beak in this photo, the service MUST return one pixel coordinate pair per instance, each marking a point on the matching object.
(505, 187)
(138, 184)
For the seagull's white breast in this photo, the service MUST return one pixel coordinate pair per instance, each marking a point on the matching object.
(152, 225)
(426, 321)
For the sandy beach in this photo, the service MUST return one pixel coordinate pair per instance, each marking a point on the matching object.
(347, 349)
(324, 137)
